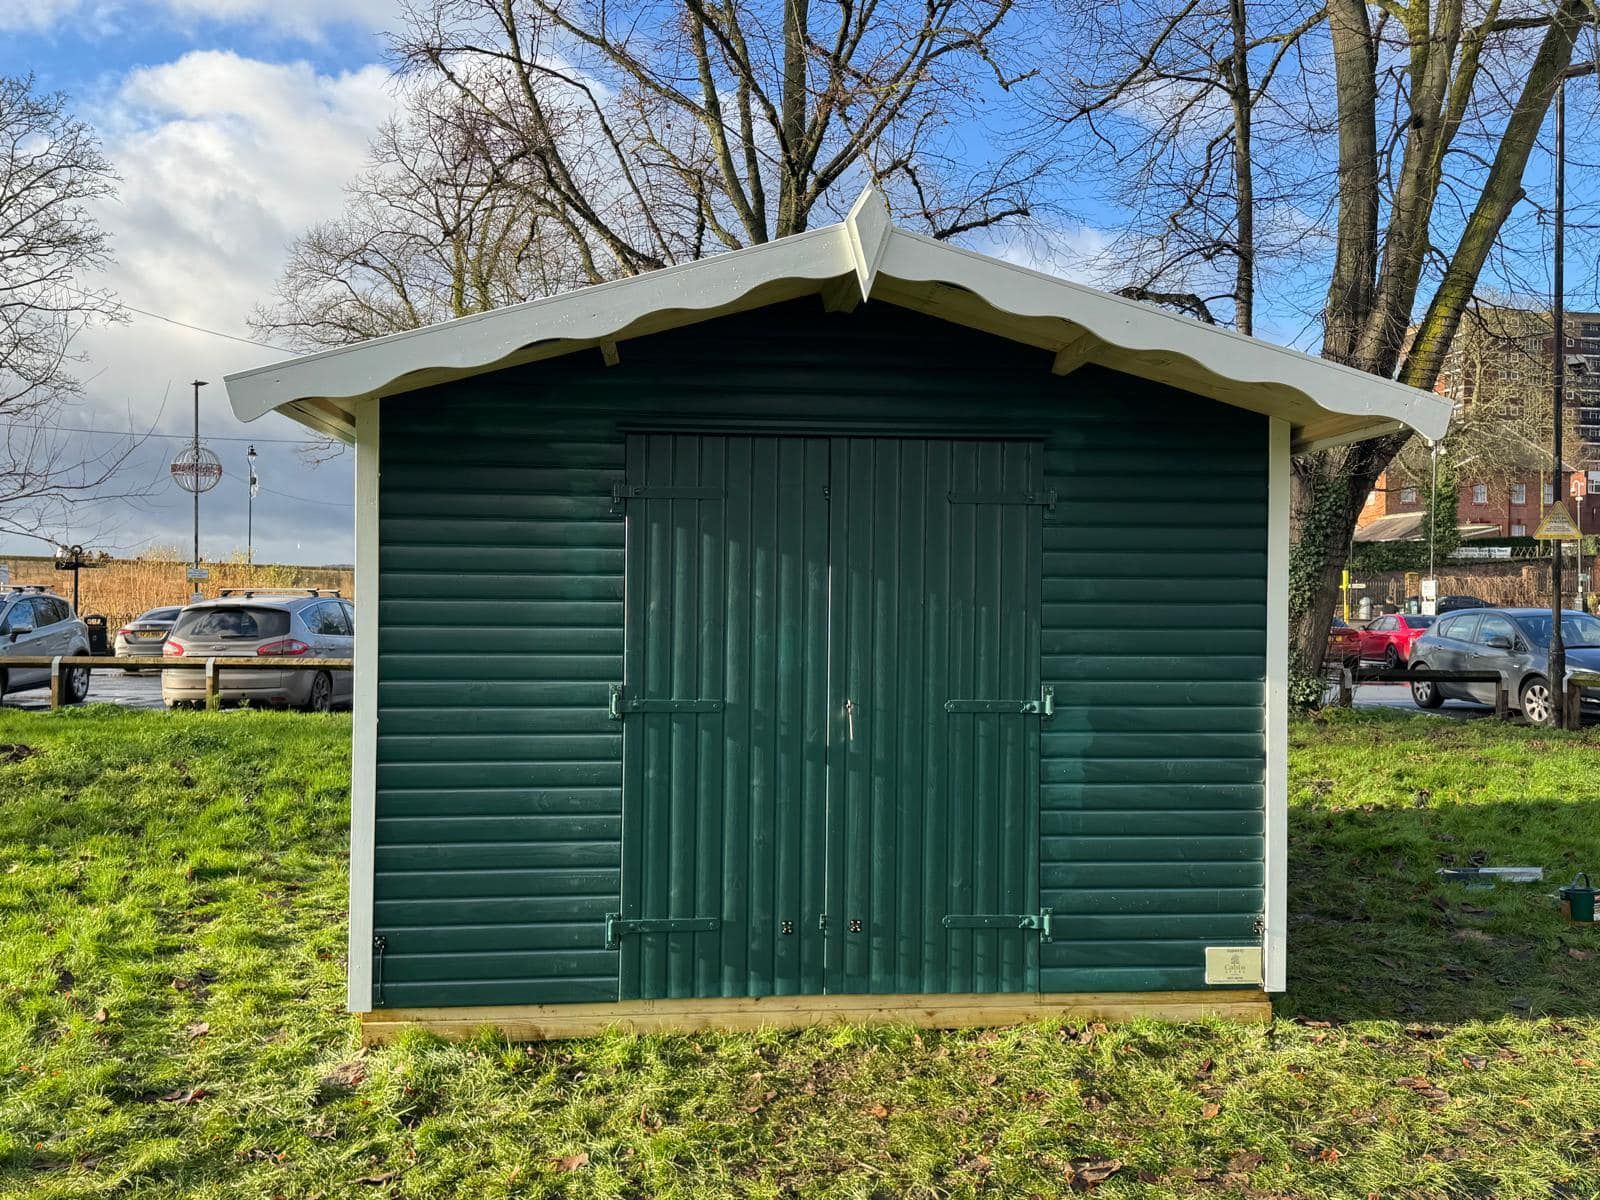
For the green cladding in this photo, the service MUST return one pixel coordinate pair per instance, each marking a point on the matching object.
(804, 653)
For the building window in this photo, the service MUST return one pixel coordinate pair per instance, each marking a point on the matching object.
(1519, 531)
(1549, 493)
(1408, 495)
(1594, 482)
(1519, 493)
(1480, 493)
(1590, 329)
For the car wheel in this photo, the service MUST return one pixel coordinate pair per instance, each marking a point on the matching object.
(74, 685)
(1391, 658)
(321, 697)
(1536, 702)
(1424, 692)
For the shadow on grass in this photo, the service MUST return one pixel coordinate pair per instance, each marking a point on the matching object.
(1375, 933)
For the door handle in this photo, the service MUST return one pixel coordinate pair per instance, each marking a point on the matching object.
(850, 719)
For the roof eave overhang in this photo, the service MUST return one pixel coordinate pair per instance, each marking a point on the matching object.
(863, 258)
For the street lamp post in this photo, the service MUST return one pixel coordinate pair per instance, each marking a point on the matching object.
(249, 508)
(198, 384)
(1558, 491)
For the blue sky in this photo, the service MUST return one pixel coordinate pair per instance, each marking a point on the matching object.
(233, 124)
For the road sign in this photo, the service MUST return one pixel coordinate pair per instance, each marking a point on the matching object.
(197, 573)
(196, 469)
(1557, 526)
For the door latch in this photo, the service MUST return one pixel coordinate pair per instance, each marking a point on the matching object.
(1044, 706)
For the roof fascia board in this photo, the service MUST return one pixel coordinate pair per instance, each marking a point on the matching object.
(478, 342)
(1143, 329)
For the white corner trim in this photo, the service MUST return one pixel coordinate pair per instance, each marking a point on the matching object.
(1276, 827)
(364, 719)
(868, 227)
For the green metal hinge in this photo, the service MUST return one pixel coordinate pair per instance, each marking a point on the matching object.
(1045, 499)
(1042, 921)
(621, 493)
(620, 705)
(1044, 706)
(617, 928)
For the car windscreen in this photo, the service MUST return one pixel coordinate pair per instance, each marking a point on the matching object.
(1577, 629)
(160, 614)
(1421, 622)
(232, 624)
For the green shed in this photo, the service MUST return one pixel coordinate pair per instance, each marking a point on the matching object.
(850, 627)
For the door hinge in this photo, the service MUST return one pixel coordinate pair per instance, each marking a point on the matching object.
(619, 705)
(621, 493)
(380, 947)
(1041, 921)
(1259, 926)
(1044, 706)
(1044, 498)
(617, 928)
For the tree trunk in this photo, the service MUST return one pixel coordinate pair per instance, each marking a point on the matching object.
(1244, 287)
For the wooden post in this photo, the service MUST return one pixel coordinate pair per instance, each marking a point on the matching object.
(1347, 688)
(1573, 714)
(55, 682)
(212, 700)
(1502, 700)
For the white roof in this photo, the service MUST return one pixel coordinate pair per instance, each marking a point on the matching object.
(864, 257)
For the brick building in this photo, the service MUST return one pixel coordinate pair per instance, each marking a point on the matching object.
(1488, 507)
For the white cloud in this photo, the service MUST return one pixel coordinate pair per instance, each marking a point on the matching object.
(224, 160)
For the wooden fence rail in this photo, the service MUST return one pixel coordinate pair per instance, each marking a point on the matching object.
(273, 662)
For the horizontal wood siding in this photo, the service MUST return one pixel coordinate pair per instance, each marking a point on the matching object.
(499, 802)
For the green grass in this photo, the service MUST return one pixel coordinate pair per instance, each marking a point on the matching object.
(171, 1024)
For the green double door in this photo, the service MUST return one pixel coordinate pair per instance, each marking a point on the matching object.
(831, 709)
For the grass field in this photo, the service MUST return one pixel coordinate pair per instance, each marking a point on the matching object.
(171, 1024)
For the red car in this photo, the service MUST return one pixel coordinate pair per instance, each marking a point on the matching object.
(1388, 639)
(1344, 644)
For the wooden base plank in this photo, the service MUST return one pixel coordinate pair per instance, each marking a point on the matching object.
(547, 1022)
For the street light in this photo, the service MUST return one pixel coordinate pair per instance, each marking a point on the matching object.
(249, 507)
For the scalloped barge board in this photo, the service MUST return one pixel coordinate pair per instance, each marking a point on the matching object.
(548, 1022)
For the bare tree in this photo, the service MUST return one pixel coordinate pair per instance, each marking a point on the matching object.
(675, 128)
(431, 231)
(1411, 141)
(52, 172)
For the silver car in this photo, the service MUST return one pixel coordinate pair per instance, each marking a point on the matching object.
(143, 636)
(244, 622)
(1515, 643)
(33, 621)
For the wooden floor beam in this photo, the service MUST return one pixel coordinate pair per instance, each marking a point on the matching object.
(545, 1022)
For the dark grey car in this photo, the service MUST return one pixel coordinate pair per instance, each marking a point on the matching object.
(1511, 641)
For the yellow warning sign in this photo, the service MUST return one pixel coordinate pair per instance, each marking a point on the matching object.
(1557, 525)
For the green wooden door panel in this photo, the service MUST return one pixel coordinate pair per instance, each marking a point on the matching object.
(932, 814)
(723, 811)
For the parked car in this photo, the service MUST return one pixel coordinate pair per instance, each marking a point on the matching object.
(1448, 604)
(34, 620)
(1344, 644)
(1389, 638)
(143, 636)
(1511, 641)
(249, 622)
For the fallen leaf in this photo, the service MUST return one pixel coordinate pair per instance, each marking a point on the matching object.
(1580, 955)
(876, 1110)
(197, 1029)
(571, 1162)
(386, 1177)
(1330, 1155)
(1087, 1173)
(1245, 1161)
(345, 1077)
(101, 1016)
(1582, 1062)
(1210, 1110)
(1474, 1062)
(180, 1096)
